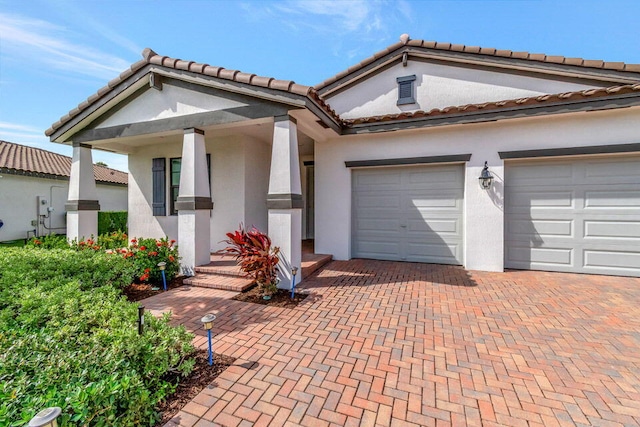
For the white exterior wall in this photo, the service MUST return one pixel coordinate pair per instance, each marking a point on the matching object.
(239, 181)
(19, 203)
(439, 86)
(484, 218)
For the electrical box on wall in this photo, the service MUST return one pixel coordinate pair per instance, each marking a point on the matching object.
(43, 205)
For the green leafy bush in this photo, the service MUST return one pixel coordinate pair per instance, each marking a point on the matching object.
(68, 338)
(52, 241)
(108, 222)
(147, 253)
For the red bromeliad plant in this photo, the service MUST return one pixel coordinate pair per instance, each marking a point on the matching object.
(257, 258)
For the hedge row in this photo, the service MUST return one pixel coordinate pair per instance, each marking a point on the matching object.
(68, 338)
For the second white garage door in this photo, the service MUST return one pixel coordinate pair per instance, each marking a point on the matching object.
(574, 215)
(409, 213)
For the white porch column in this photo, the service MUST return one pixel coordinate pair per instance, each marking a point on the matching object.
(82, 205)
(484, 215)
(194, 203)
(285, 199)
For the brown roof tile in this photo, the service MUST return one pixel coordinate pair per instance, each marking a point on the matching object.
(432, 45)
(21, 158)
(530, 101)
(151, 57)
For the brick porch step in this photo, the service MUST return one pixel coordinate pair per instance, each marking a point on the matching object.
(224, 273)
(219, 281)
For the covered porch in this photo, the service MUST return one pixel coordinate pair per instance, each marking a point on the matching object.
(208, 150)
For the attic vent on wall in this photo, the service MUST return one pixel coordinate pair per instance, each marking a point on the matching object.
(405, 90)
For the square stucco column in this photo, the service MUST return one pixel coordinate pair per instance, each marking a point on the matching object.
(284, 200)
(194, 203)
(484, 215)
(82, 205)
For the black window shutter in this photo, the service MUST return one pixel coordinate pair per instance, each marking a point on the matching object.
(159, 190)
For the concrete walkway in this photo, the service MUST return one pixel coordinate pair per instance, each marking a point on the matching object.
(383, 343)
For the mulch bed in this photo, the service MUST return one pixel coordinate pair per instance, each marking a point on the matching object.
(188, 388)
(139, 291)
(282, 298)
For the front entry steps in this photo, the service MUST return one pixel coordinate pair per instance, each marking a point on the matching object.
(223, 272)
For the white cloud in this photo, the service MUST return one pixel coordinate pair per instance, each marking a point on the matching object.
(40, 42)
(364, 17)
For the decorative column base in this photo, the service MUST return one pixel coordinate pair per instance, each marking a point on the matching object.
(194, 229)
(82, 225)
(285, 231)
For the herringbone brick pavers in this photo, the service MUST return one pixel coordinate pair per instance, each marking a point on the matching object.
(400, 344)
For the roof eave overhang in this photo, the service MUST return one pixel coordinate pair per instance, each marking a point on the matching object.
(515, 64)
(480, 116)
(141, 78)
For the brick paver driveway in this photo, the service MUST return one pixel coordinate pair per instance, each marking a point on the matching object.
(383, 343)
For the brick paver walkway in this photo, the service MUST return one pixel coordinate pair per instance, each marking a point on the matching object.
(383, 343)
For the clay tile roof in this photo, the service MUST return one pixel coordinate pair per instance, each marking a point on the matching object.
(34, 161)
(151, 57)
(520, 102)
(440, 46)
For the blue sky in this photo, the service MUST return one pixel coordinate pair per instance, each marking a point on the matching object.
(54, 54)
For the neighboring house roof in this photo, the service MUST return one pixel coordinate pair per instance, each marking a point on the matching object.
(151, 57)
(24, 160)
(480, 52)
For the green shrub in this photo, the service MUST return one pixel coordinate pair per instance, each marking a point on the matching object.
(108, 222)
(68, 338)
(147, 253)
(52, 241)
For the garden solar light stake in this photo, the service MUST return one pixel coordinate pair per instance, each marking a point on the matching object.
(208, 325)
(140, 319)
(46, 418)
(162, 266)
(294, 271)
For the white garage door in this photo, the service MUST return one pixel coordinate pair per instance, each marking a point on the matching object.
(408, 213)
(574, 215)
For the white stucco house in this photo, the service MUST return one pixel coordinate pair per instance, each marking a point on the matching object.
(380, 161)
(34, 188)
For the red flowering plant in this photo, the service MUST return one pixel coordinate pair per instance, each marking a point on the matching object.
(147, 253)
(256, 257)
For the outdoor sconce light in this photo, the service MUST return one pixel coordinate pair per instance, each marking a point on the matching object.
(294, 271)
(162, 266)
(46, 418)
(486, 179)
(208, 325)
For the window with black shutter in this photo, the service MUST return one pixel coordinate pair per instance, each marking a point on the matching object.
(406, 90)
(159, 181)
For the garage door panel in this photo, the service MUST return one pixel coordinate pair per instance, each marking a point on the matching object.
(537, 175)
(527, 256)
(612, 260)
(439, 226)
(542, 199)
(612, 230)
(612, 172)
(592, 226)
(439, 179)
(385, 201)
(424, 226)
(612, 198)
(391, 224)
(378, 250)
(527, 227)
(433, 252)
(369, 178)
